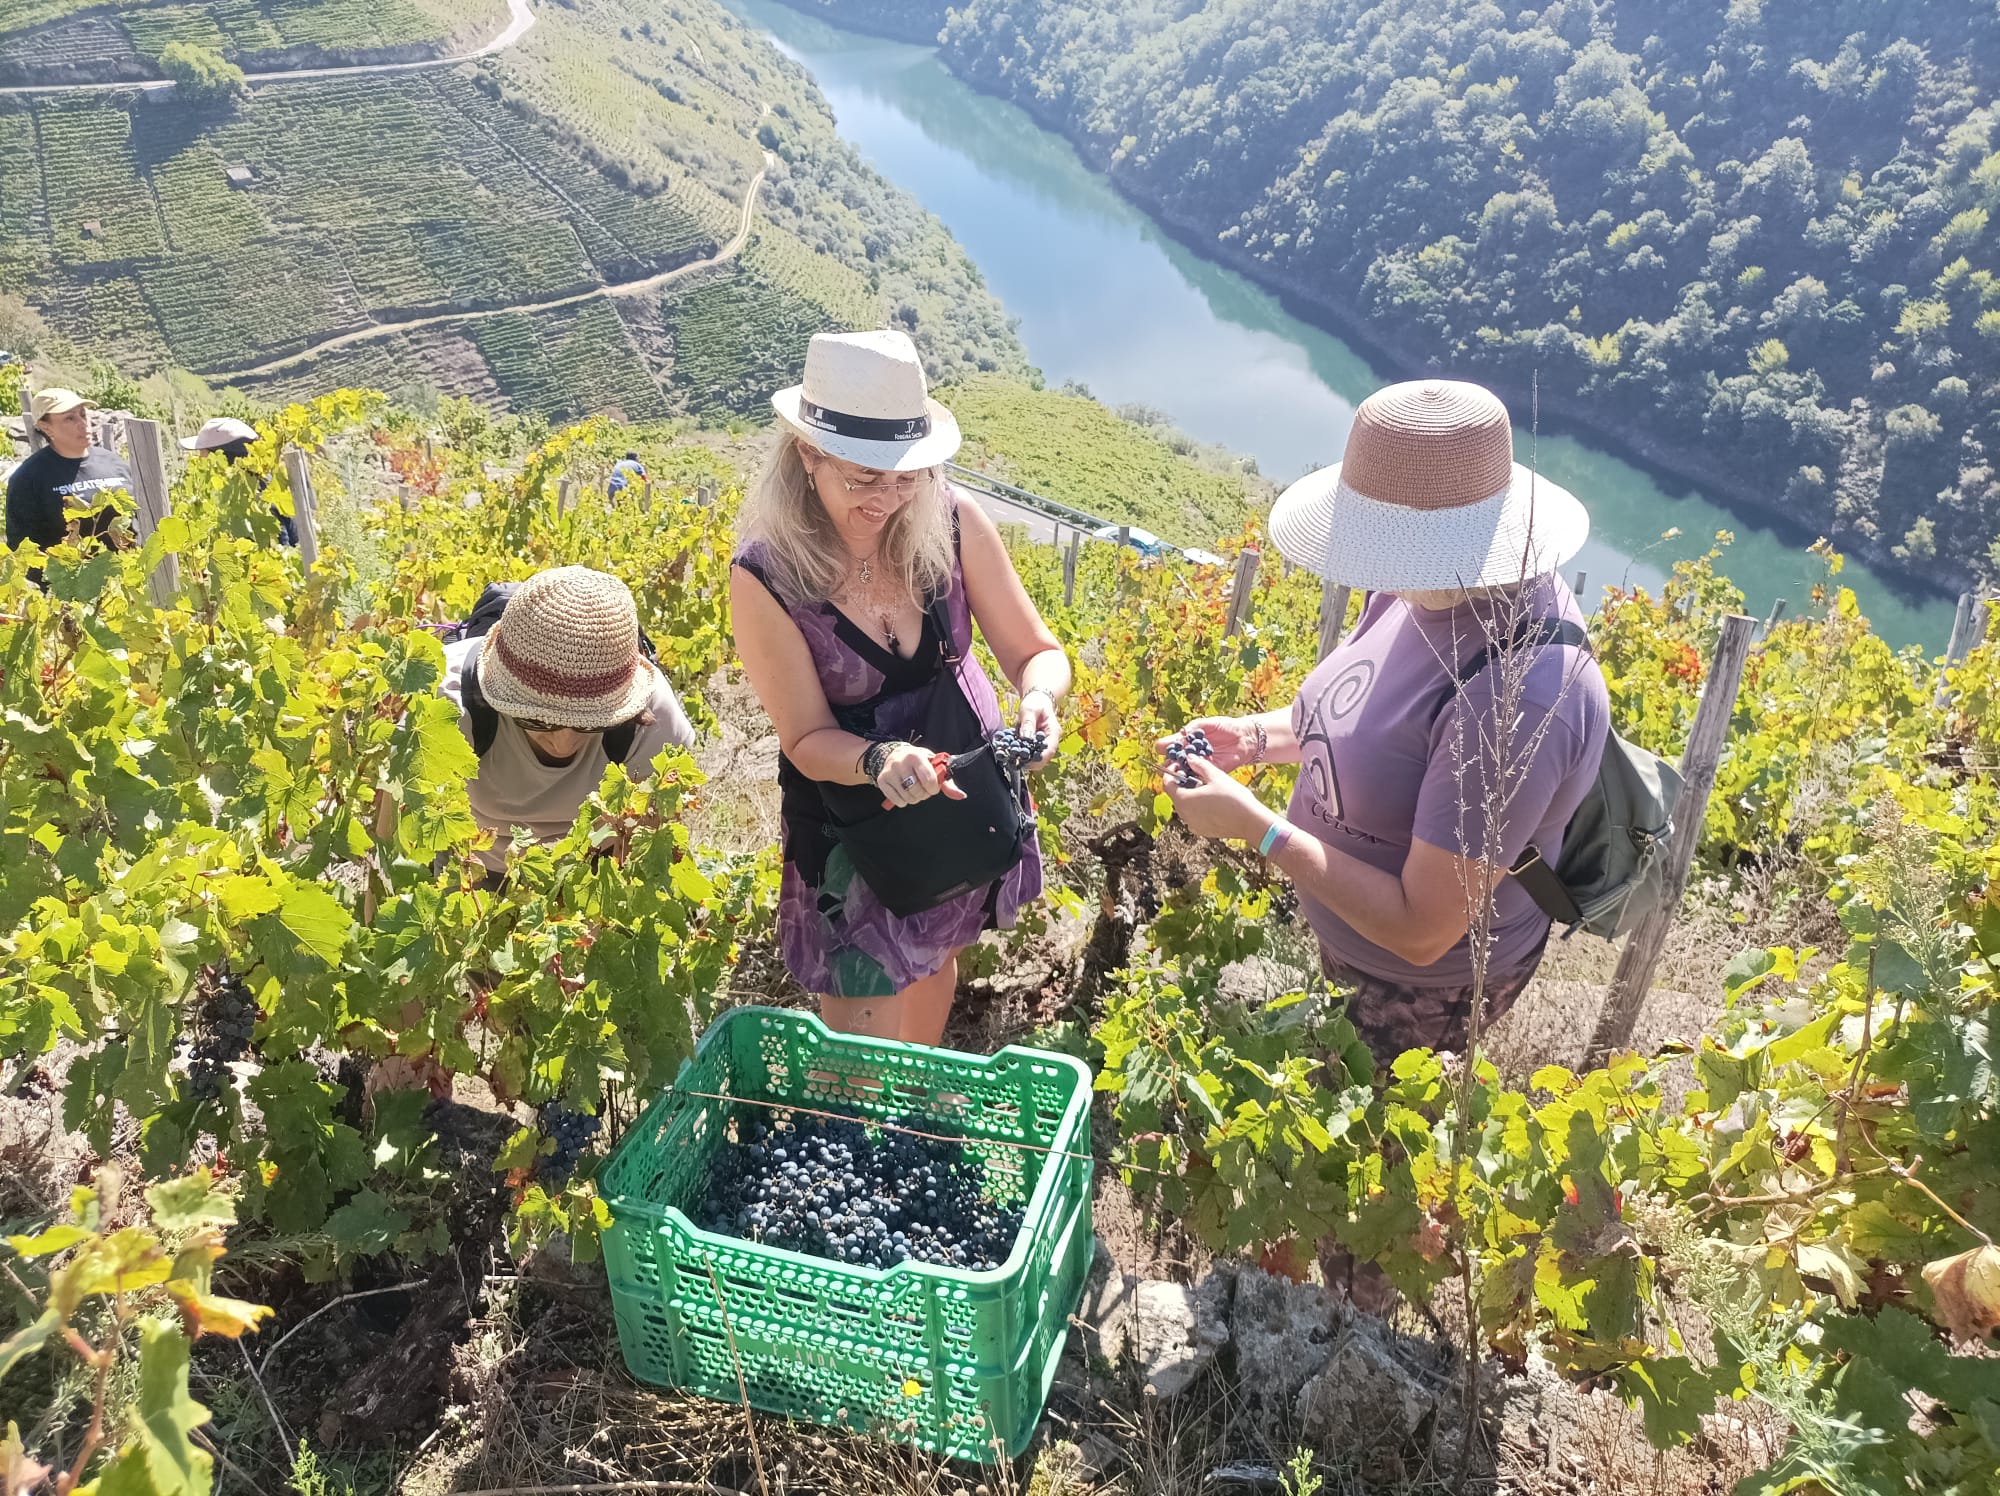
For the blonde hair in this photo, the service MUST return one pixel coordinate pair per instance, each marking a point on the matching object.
(807, 558)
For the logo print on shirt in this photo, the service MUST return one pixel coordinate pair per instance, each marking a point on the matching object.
(1345, 692)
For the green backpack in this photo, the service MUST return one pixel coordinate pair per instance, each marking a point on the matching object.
(1612, 870)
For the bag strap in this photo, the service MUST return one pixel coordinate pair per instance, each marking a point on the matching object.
(485, 720)
(1537, 879)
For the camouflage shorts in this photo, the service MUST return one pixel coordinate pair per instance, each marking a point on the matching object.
(1392, 1018)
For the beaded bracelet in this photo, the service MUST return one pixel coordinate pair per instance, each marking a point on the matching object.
(875, 755)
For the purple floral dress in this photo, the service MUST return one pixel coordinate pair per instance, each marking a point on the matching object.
(835, 937)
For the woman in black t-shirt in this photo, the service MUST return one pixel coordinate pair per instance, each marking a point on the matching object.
(64, 483)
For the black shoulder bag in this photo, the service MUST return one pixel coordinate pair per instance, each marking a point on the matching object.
(917, 857)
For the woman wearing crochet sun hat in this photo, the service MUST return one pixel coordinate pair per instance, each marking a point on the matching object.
(552, 695)
(1403, 802)
(854, 595)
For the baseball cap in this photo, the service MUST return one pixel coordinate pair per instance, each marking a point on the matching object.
(55, 402)
(219, 432)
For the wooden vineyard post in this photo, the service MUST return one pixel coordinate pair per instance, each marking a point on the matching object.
(1243, 590)
(305, 511)
(1332, 616)
(1069, 569)
(149, 489)
(705, 494)
(36, 441)
(1124, 536)
(565, 495)
(403, 497)
(1706, 738)
(1777, 612)
(384, 827)
(1966, 627)
(1581, 578)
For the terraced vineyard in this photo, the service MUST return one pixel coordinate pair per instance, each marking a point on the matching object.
(614, 144)
(40, 37)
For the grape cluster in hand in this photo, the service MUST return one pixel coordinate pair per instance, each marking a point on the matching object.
(828, 1188)
(225, 1018)
(1017, 749)
(572, 1132)
(1193, 740)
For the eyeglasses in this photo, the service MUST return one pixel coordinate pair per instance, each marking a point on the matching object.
(531, 724)
(886, 482)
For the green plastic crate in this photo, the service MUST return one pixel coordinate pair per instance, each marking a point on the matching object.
(954, 1362)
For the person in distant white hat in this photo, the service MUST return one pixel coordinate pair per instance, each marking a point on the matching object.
(848, 541)
(1458, 726)
(553, 694)
(224, 434)
(63, 484)
(231, 440)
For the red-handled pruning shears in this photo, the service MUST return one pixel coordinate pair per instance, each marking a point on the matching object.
(944, 765)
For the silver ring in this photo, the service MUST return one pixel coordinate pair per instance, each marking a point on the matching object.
(909, 781)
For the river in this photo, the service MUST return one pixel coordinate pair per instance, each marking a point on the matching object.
(1107, 298)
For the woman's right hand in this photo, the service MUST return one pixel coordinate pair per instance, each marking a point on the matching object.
(907, 777)
(1232, 739)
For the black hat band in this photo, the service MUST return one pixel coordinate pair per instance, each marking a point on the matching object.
(863, 428)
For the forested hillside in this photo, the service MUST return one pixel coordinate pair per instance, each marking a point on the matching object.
(615, 143)
(1753, 239)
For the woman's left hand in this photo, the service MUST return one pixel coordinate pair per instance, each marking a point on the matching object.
(1038, 715)
(1218, 805)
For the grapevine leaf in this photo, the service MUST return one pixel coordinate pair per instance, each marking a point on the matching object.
(318, 921)
(366, 1224)
(19, 1475)
(189, 1203)
(1966, 1292)
(161, 1458)
(55, 1239)
(1746, 971)
(1874, 1230)
(1673, 1394)
(1831, 1261)
(244, 896)
(25, 1341)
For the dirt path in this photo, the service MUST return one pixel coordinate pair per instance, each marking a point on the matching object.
(522, 21)
(728, 252)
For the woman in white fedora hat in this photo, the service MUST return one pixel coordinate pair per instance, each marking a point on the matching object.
(552, 695)
(854, 593)
(1427, 769)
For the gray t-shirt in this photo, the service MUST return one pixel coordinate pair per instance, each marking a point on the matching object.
(1390, 754)
(515, 788)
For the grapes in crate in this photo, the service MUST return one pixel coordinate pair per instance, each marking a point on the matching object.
(1192, 742)
(832, 1188)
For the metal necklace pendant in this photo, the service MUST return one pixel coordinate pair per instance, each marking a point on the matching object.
(867, 570)
(889, 633)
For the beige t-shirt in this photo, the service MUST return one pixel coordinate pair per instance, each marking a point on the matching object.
(515, 788)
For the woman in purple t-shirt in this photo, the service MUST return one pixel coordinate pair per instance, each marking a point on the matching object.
(1424, 774)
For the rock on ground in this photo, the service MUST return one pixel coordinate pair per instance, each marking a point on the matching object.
(1177, 1329)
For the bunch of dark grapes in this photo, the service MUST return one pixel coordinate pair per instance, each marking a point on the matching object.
(1016, 750)
(571, 1133)
(225, 1017)
(1194, 741)
(830, 1188)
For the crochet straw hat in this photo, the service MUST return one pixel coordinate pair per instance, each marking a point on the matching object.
(567, 650)
(865, 400)
(1428, 497)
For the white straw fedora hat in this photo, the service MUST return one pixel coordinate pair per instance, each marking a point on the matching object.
(865, 400)
(219, 432)
(566, 650)
(1428, 497)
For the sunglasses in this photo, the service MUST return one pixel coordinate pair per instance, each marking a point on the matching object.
(533, 724)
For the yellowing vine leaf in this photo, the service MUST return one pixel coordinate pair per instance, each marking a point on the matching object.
(1966, 1289)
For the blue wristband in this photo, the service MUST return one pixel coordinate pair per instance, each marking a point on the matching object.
(1277, 836)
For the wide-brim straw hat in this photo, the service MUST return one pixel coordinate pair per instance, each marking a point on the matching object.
(566, 650)
(219, 432)
(865, 400)
(1428, 497)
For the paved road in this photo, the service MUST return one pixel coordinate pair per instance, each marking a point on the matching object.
(523, 19)
(728, 251)
(1040, 527)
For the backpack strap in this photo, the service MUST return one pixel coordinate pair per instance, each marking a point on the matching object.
(618, 741)
(1537, 879)
(485, 720)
